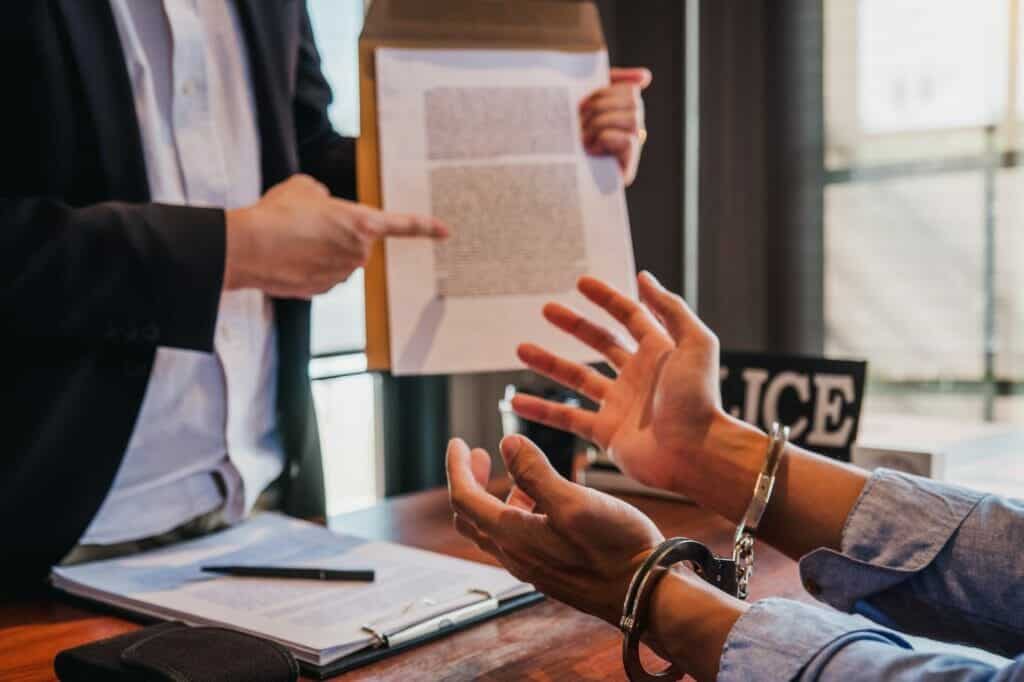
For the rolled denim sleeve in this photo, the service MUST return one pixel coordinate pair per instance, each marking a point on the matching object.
(782, 640)
(872, 659)
(779, 639)
(929, 559)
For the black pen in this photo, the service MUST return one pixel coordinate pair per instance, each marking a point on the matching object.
(357, 575)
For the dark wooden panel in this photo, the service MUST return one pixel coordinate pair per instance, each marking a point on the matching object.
(651, 34)
(796, 172)
(762, 174)
(732, 178)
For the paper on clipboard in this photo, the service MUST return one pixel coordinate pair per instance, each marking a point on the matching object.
(490, 142)
(320, 622)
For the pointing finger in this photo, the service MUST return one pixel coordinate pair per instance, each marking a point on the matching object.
(406, 225)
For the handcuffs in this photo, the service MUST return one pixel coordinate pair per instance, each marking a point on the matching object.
(729, 574)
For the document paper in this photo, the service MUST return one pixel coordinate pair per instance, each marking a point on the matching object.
(490, 142)
(319, 621)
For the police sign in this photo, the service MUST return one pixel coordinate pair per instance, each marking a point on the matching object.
(818, 398)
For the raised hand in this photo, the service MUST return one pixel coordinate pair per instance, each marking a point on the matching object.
(613, 119)
(575, 544)
(654, 417)
(298, 240)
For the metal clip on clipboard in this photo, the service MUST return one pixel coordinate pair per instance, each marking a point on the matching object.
(435, 623)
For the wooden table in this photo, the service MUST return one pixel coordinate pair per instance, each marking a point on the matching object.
(546, 641)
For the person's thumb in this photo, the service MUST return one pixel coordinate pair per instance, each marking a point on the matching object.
(533, 473)
(637, 76)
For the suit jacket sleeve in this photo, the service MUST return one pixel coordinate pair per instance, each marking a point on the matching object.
(323, 153)
(112, 272)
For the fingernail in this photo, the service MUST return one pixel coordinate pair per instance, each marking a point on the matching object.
(510, 445)
(651, 279)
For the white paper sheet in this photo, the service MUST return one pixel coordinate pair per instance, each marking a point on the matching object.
(319, 621)
(490, 141)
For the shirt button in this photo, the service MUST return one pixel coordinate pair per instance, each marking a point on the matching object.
(187, 88)
(226, 335)
(812, 587)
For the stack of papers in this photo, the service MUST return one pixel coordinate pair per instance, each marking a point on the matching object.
(415, 592)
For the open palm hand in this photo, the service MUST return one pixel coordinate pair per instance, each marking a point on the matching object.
(575, 544)
(654, 416)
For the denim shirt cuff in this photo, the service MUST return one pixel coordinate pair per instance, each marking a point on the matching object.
(897, 527)
(776, 639)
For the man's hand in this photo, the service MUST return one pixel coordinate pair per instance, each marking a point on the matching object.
(575, 544)
(655, 416)
(613, 119)
(298, 240)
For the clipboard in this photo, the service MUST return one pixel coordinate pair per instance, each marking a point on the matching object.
(564, 25)
(343, 665)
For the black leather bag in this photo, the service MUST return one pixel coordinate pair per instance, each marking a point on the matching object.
(174, 652)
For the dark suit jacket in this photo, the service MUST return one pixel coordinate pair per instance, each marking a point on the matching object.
(93, 278)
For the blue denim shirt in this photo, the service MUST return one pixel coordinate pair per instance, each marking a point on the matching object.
(917, 556)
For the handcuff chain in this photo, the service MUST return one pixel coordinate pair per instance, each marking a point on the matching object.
(744, 563)
(743, 550)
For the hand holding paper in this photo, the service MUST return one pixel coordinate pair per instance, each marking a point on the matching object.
(613, 119)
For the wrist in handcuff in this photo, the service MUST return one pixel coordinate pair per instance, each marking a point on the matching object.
(731, 575)
(690, 635)
(722, 475)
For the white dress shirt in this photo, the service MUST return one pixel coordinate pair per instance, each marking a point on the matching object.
(206, 434)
